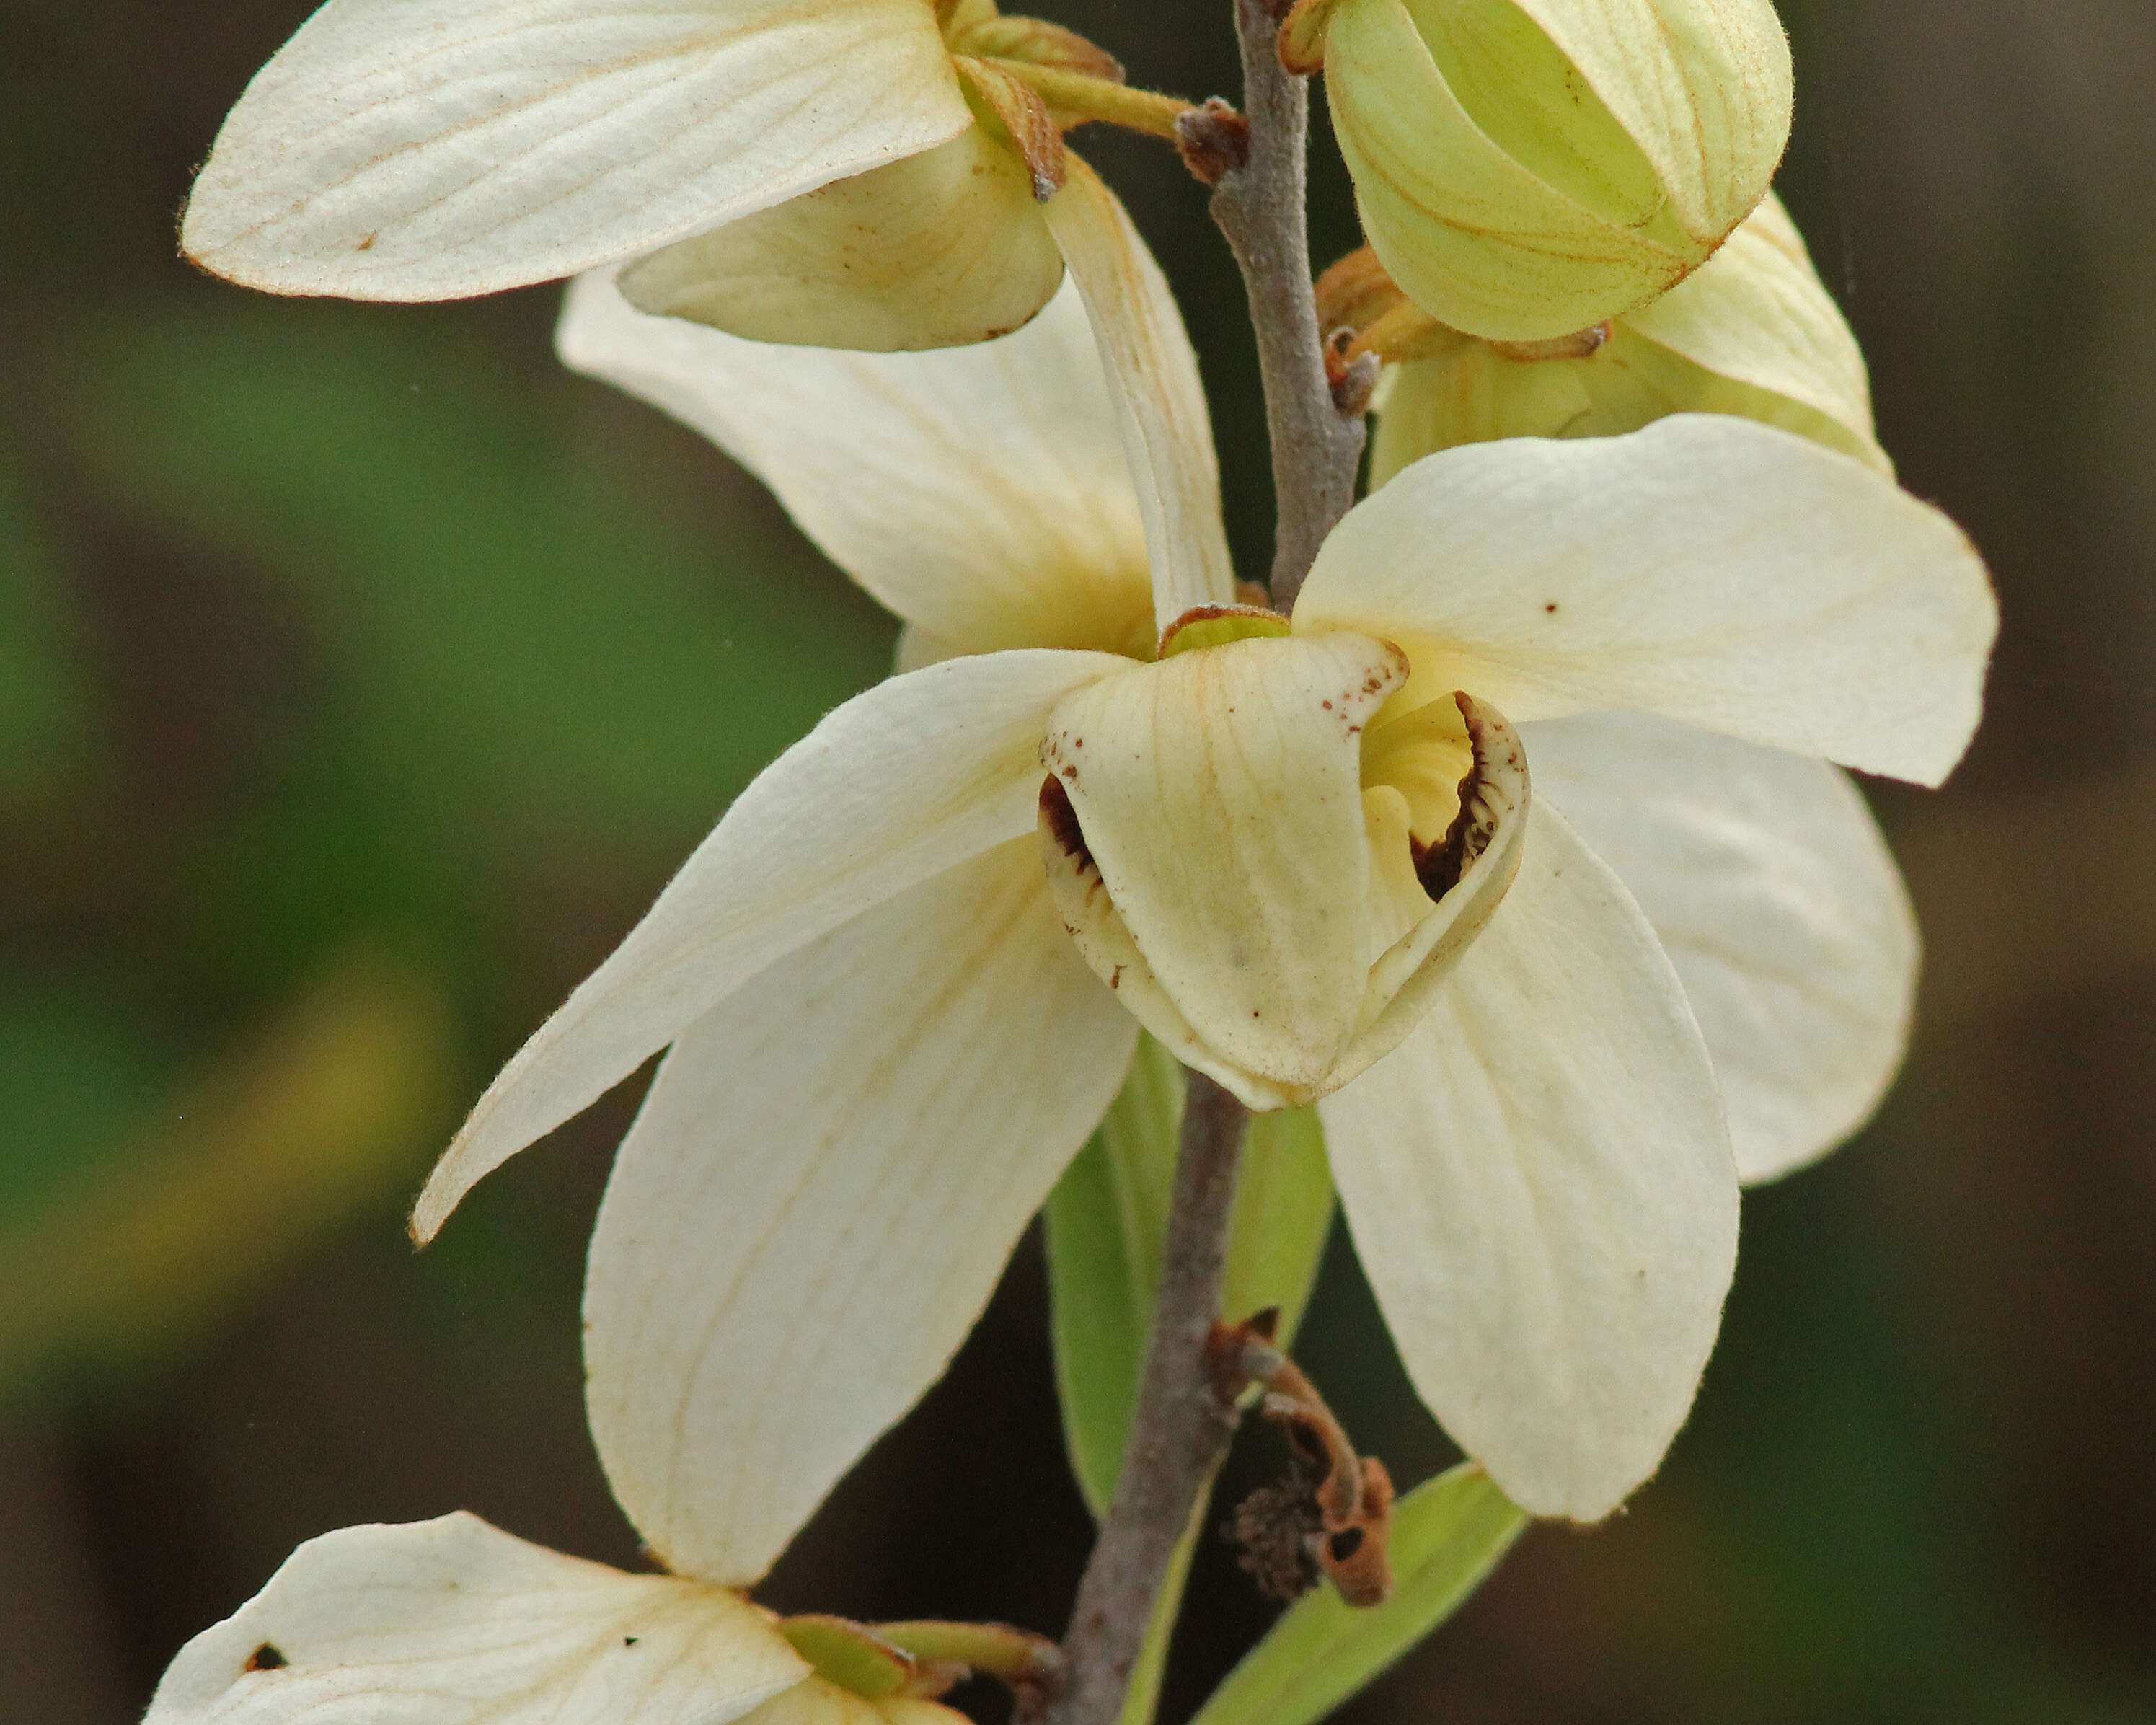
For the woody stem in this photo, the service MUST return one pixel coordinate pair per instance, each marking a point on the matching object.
(1180, 1427)
(1260, 206)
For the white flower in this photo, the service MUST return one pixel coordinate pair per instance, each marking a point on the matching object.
(454, 1622)
(812, 172)
(885, 1046)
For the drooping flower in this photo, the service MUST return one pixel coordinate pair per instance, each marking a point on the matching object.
(1528, 168)
(885, 1042)
(1753, 331)
(866, 173)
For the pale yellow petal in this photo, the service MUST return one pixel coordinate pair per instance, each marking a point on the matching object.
(1758, 314)
(1160, 400)
(1707, 569)
(452, 1622)
(917, 775)
(980, 492)
(944, 248)
(1775, 895)
(1541, 1190)
(1218, 792)
(820, 1194)
(1703, 87)
(431, 149)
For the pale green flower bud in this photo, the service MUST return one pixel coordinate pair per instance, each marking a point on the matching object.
(1753, 333)
(1527, 168)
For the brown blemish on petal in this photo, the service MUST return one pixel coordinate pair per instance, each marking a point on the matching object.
(1439, 866)
(266, 1658)
(1063, 825)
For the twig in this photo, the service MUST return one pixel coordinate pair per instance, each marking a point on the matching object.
(1260, 206)
(1179, 1429)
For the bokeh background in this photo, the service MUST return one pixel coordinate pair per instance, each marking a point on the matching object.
(362, 674)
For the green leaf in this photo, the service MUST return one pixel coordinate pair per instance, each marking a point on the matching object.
(1283, 1212)
(1448, 1534)
(1107, 1221)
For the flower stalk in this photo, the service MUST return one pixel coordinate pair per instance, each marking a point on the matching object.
(1260, 206)
(1182, 1424)
(1180, 1429)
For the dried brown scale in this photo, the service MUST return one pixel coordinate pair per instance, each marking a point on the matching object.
(1344, 1516)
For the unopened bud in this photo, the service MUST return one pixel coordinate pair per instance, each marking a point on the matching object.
(1529, 168)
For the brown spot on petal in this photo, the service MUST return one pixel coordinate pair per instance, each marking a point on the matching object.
(266, 1658)
(1063, 824)
(1439, 866)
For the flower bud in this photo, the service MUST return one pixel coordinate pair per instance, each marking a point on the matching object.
(1752, 332)
(1528, 168)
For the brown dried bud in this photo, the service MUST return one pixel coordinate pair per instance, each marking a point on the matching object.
(1214, 141)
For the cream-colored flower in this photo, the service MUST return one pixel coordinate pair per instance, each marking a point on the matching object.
(1527, 168)
(886, 1042)
(863, 174)
(1752, 332)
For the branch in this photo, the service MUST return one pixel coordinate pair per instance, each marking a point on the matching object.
(1179, 1429)
(1260, 205)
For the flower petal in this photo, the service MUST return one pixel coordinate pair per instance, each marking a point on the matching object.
(1160, 400)
(431, 149)
(819, 1701)
(1703, 87)
(900, 783)
(1777, 901)
(940, 248)
(980, 492)
(1757, 314)
(1220, 795)
(820, 1194)
(1707, 569)
(452, 1622)
(1540, 1187)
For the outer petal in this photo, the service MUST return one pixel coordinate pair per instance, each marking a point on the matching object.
(1703, 87)
(1540, 1187)
(1707, 569)
(1757, 314)
(980, 492)
(1220, 793)
(430, 149)
(940, 248)
(1160, 400)
(820, 1194)
(452, 1622)
(1778, 901)
(897, 785)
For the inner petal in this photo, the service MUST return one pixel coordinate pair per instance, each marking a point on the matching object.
(1220, 793)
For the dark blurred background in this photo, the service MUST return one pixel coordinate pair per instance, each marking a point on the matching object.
(362, 674)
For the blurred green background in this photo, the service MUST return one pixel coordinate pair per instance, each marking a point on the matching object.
(362, 674)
